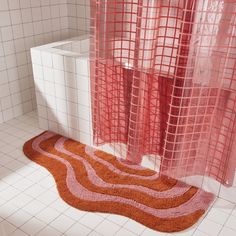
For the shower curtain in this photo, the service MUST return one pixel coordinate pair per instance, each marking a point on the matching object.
(163, 83)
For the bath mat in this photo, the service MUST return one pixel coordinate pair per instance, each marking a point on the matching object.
(92, 180)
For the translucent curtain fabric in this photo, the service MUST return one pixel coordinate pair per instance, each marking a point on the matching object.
(163, 83)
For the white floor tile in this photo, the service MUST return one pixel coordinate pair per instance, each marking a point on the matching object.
(224, 205)
(5, 159)
(62, 223)
(186, 232)
(78, 230)
(21, 200)
(23, 184)
(36, 176)
(6, 228)
(107, 228)
(14, 165)
(217, 216)
(4, 172)
(94, 233)
(19, 218)
(199, 233)
(33, 226)
(120, 220)
(234, 212)
(125, 232)
(34, 190)
(19, 232)
(2, 201)
(25, 171)
(34, 207)
(104, 215)
(134, 226)
(231, 222)
(9, 193)
(3, 185)
(47, 197)
(227, 232)
(47, 215)
(150, 232)
(74, 213)
(7, 209)
(47, 182)
(12, 178)
(210, 227)
(49, 231)
(91, 220)
(60, 206)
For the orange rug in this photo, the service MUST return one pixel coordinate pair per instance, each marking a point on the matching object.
(92, 180)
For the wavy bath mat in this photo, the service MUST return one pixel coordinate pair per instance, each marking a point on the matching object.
(93, 180)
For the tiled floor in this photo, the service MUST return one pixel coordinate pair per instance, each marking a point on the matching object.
(30, 204)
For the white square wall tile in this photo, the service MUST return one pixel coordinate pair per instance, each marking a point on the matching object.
(69, 64)
(8, 48)
(28, 29)
(82, 66)
(5, 18)
(6, 102)
(4, 5)
(16, 17)
(18, 31)
(36, 13)
(48, 76)
(4, 90)
(35, 3)
(26, 15)
(46, 59)
(14, 4)
(58, 62)
(7, 33)
(36, 56)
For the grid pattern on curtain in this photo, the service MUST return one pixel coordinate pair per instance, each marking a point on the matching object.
(163, 82)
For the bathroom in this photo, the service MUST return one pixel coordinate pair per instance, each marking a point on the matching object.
(107, 107)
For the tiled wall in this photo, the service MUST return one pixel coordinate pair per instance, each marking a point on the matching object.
(79, 16)
(25, 24)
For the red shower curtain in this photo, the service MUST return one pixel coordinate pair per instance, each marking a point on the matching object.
(163, 83)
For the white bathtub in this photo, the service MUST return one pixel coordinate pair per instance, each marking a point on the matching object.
(61, 75)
